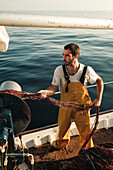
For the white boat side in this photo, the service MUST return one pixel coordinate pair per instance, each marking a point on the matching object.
(15, 19)
(36, 137)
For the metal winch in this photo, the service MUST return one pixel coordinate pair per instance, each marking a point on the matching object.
(14, 118)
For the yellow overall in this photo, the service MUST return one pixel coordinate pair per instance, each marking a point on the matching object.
(76, 93)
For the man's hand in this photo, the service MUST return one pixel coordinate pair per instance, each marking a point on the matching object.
(42, 94)
(97, 102)
(48, 92)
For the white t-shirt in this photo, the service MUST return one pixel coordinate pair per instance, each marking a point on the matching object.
(59, 79)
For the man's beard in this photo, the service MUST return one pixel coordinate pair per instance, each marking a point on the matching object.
(68, 63)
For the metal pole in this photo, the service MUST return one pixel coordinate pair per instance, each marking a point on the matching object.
(106, 83)
(14, 19)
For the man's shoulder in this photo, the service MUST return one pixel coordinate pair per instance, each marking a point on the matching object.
(58, 70)
(59, 67)
(83, 65)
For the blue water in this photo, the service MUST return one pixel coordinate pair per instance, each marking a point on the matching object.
(34, 53)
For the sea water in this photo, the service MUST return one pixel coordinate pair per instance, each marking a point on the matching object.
(34, 53)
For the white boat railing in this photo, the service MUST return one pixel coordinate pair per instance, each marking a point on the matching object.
(106, 83)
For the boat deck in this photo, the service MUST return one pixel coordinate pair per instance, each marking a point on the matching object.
(43, 156)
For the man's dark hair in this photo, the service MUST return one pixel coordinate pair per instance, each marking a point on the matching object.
(74, 48)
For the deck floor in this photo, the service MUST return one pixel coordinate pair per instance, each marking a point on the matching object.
(42, 153)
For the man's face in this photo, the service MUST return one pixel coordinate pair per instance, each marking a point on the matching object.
(67, 57)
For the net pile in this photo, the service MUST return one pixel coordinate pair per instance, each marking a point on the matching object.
(96, 158)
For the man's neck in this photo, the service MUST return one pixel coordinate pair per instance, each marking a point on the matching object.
(73, 68)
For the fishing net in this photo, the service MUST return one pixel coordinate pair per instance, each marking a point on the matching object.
(34, 96)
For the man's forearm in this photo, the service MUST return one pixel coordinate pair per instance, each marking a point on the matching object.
(51, 90)
(100, 86)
